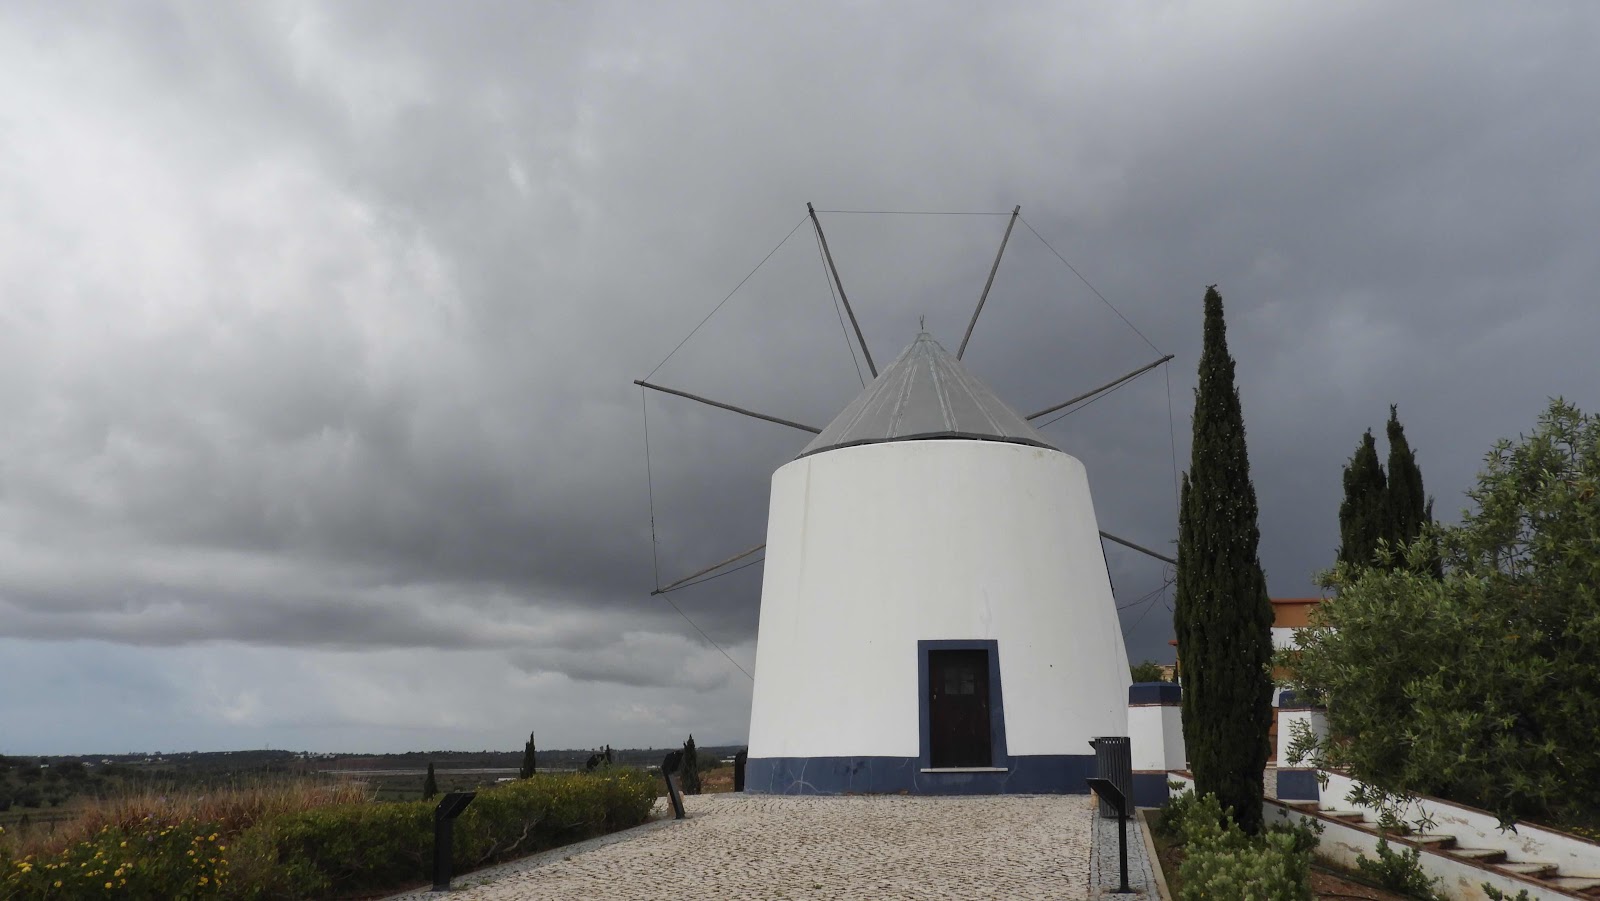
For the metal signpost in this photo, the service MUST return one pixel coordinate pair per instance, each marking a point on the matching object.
(1108, 792)
(444, 819)
(669, 768)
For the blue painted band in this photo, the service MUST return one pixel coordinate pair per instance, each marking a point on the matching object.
(1165, 694)
(1042, 774)
(1298, 785)
(1150, 789)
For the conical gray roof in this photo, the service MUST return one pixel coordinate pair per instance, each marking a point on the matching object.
(926, 393)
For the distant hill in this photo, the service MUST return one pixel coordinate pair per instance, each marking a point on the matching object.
(225, 763)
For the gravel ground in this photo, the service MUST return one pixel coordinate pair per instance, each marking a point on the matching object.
(771, 847)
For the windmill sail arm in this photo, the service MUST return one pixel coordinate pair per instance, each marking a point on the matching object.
(1100, 390)
(827, 255)
(708, 570)
(720, 405)
(961, 351)
(1141, 549)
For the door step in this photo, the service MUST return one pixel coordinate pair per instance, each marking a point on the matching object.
(1588, 885)
(1534, 868)
(1349, 816)
(1481, 855)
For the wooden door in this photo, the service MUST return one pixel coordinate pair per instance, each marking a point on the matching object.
(958, 708)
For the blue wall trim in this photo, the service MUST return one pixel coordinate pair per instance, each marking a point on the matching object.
(1165, 694)
(1150, 789)
(997, 713)
(1298, 785)
(1043, 774)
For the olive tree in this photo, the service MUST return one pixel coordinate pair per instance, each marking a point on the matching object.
(1482, 687)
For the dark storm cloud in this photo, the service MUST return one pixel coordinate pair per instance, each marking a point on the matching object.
(321, 320)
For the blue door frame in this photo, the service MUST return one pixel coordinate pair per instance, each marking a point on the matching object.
(997, 715)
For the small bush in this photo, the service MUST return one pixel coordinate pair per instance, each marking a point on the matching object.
(365, 847)
(151, 861)
(1221, 861)
(1174, 811)
(1268, 869)
(1399, 871)
(1305, 835)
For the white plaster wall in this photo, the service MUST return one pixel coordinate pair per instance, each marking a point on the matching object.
(1345, 845)
(1316, 720)
(871, 548)
(1155, 736)
(1283, 638)
(1477, 829)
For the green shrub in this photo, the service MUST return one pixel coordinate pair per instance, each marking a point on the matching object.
(364, 847)
(1305, 835)
(351, 847)
(1174, 811)
(1399, 871)
(150, 861)
(1221, 861)
(1267, 869)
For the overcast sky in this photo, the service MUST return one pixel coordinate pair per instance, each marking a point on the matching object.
(319, 320)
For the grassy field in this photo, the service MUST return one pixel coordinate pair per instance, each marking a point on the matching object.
(236, 806)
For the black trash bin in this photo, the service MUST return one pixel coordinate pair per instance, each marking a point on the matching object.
(1114, 761)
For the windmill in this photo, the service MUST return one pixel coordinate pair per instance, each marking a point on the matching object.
(936, 611)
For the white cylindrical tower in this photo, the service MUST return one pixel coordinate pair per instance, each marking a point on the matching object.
(936, 614)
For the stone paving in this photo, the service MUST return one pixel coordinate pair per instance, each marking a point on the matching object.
(1105, 864)
(861, 847)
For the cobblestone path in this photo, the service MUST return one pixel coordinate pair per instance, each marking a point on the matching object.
(771, 847)
(1105, 863)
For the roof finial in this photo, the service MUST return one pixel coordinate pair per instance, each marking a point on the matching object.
(922, 324)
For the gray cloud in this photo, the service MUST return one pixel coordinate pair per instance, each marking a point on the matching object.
(320, 322)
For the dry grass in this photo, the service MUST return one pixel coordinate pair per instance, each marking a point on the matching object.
(719, 779)
(232, 809)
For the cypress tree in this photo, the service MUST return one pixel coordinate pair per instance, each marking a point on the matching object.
(430, 786)
(1222, 617)
(689, 770)
(1407, 506)
(529, 764)
(1364, 514)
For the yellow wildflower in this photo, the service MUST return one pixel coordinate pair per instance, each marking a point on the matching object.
(108, 885)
